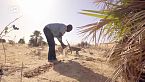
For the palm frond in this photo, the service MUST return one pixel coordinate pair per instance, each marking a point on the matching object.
(92, 28)
(93, 14)
(104, 12)
(125, 22)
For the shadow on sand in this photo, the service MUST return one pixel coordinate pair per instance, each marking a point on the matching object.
(76, 71)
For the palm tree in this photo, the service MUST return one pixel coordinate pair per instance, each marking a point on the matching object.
(122, 21)
(35, 39)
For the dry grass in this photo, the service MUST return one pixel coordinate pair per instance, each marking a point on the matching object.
(71, 69)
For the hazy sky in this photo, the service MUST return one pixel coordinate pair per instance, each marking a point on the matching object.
(38, 13)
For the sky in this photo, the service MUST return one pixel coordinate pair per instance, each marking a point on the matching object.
(35, 14)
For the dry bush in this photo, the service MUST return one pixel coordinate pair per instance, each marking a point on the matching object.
(21, 41)
(83, 44)
(11, 42)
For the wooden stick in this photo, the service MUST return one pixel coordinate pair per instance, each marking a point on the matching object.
(22, 72)
(4, 52)
(1, 68)
(69, 46)
(0, 78)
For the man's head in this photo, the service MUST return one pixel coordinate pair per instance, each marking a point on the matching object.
(69, 28)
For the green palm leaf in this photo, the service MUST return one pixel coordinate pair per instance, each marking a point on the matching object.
(94, 15)
(104, 12)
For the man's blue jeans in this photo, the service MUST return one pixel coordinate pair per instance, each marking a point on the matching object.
(51, 44)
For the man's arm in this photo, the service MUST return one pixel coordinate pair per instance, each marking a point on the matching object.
(62, 44)
(60, 40)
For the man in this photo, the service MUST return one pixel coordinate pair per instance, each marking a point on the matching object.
(55, 30)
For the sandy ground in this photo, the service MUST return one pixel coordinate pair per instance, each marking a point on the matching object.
(89, 66)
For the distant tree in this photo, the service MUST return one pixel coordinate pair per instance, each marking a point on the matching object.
(36, 39)
(2, 41)
(21, 41)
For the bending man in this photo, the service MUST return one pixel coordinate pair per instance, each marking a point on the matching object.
(55, 30)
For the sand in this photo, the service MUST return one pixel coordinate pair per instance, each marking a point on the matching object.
(89, 66)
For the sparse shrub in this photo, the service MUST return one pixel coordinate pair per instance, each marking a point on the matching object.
(83, 44)
(43, 43)
(11, 42)
(21, 41)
